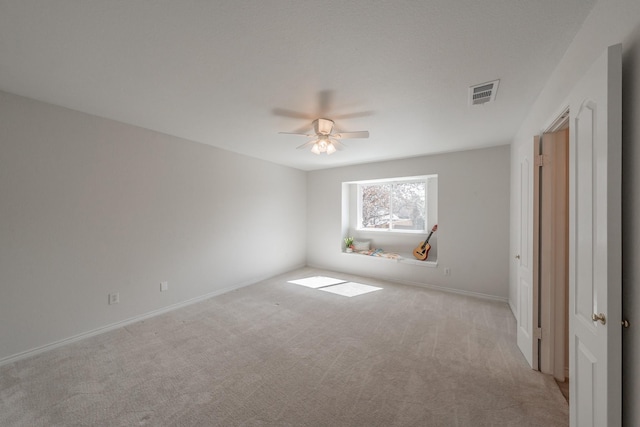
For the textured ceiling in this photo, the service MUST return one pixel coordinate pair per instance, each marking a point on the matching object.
(233, 73)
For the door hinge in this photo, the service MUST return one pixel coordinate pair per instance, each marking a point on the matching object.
(537, 333)
(538, 161)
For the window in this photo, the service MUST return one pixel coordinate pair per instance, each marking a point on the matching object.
(393, 205)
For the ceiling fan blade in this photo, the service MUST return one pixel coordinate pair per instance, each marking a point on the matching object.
(353, 115)
(297, 133)
(339, 145)
(292, 114)
(350, 135)
(306, 144)
(304, 129)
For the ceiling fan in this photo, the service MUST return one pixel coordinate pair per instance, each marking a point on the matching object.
(326, 139)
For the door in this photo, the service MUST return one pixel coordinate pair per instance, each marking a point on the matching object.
(595, 244)
(551, 195)
(524, 258)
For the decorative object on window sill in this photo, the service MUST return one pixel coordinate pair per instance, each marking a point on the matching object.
(326, 138)
(348, 241)
(361, 246)
(422, 251)
(380, 253)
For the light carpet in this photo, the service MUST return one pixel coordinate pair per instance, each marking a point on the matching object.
(272, 354)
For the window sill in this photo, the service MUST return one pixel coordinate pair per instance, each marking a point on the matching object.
(404, 258)
(390, 231)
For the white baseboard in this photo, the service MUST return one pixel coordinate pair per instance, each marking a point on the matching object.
(120, 324)
(428, 286)
(451, 290)
(513, 309)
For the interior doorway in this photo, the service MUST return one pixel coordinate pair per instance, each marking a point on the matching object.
(551, 251)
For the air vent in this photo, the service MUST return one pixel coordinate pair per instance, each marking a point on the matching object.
(483, 93)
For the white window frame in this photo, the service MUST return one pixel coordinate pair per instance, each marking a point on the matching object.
(423, 179)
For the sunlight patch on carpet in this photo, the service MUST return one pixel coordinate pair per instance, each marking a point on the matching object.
(350, 289)
(317, 282)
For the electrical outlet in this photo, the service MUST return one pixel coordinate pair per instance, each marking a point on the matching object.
(164, 286)
(114, 298)
(447, 271)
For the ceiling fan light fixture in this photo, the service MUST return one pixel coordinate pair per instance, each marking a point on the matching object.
(327, 140)
(322, 144)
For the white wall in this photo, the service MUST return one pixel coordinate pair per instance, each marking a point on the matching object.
(610, 22)
(473, 217)
(90, 206)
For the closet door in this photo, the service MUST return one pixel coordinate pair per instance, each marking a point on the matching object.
(524, 257)
(595, 285)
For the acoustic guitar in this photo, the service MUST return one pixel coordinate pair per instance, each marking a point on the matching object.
(422, 251)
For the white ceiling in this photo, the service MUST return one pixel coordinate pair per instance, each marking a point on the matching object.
(229, 73)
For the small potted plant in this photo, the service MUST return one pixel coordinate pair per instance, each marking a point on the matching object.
(348, 241)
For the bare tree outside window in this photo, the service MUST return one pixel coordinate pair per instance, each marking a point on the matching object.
(376, 201)
(408, 205)
(398, 205)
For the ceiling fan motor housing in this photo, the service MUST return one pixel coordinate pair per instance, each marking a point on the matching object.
(323, 126)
